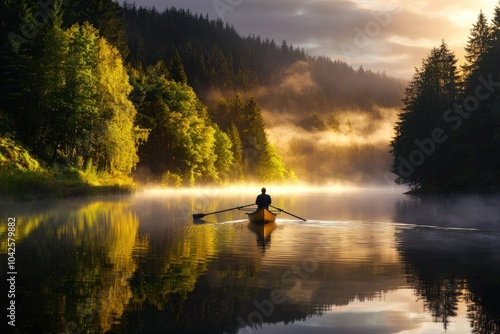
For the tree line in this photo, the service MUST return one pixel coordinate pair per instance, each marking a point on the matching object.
(448, 134)
(72, 97)
(170, 96)
(217, 58)
(66, 93)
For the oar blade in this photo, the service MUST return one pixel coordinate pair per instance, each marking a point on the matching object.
(201, 215)
(291, 214)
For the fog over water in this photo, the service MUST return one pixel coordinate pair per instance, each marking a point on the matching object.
(332, 135)
(356, 153)
(365, 261)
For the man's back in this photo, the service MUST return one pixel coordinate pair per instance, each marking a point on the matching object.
(263, 201)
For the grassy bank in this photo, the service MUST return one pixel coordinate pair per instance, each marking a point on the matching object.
(25, 178)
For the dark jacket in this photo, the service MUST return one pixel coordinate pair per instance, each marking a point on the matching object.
(263, 201)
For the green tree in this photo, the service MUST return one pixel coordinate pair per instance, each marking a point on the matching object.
(106, 15)
(224, 153)
(253, 136)
(432, 90)
(237, 168)
(181, 140)
(271, 167)
(115, 141)
(478, 43)
(255, 157)
(78, 110)
(47, 119)
(81, 87)
(176, 69)
(476, 146)
(15, 65)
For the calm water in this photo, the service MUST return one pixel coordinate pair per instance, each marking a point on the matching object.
(364, 262)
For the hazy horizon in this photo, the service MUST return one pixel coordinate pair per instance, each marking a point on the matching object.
(391, 36)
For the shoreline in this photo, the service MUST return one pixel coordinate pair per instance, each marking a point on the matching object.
(31, 186)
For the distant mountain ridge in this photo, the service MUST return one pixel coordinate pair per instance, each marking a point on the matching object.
(218, 59)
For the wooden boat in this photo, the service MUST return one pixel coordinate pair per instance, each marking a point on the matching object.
(262, 216)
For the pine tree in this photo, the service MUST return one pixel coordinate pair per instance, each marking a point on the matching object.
(176, 69)
(237, 169)
(15, 67)
(224, 154)
(81, 87)
(476, 146)
(271, 167)
(105, 15)
(253, 136)
(432, 90)
(496, 24)
(52, 110)
(477, 44)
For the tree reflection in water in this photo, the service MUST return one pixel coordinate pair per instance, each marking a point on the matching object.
(76, 263)
(450, 252)
(130, 266)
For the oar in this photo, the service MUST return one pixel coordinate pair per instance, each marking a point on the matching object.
(201, 215)
(291, 214)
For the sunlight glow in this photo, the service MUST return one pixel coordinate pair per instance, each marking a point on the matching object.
(420, 42)
(463, 17)
(251, 188)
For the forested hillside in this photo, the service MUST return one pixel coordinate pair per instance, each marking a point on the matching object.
(177, 98)
(217, 59)
(302, 97)
(448, 135)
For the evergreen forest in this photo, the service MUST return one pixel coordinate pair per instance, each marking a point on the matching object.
(447, 138)
(106, 89)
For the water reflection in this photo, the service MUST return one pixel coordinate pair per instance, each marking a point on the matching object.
(139, 264)
(73, 264)
(263, 233)
(451, 255)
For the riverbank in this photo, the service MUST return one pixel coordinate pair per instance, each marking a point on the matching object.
(29, 185)
(22, 177)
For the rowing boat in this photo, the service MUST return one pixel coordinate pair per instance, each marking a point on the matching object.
(262, 216)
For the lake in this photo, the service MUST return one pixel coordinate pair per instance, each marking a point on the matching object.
(365, 261)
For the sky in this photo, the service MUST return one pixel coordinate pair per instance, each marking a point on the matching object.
(382, 35)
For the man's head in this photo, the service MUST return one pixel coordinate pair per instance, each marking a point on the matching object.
(263, 190)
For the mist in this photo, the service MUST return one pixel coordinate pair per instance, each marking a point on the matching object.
(330, 123)
(357, 152)
(323, 134)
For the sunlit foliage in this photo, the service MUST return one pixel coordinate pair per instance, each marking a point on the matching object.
(73, 107)
(181, 140)
(243, 120)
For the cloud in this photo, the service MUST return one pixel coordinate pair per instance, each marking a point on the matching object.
(321, 27)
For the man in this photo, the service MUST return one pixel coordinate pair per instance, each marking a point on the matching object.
(263, 200)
